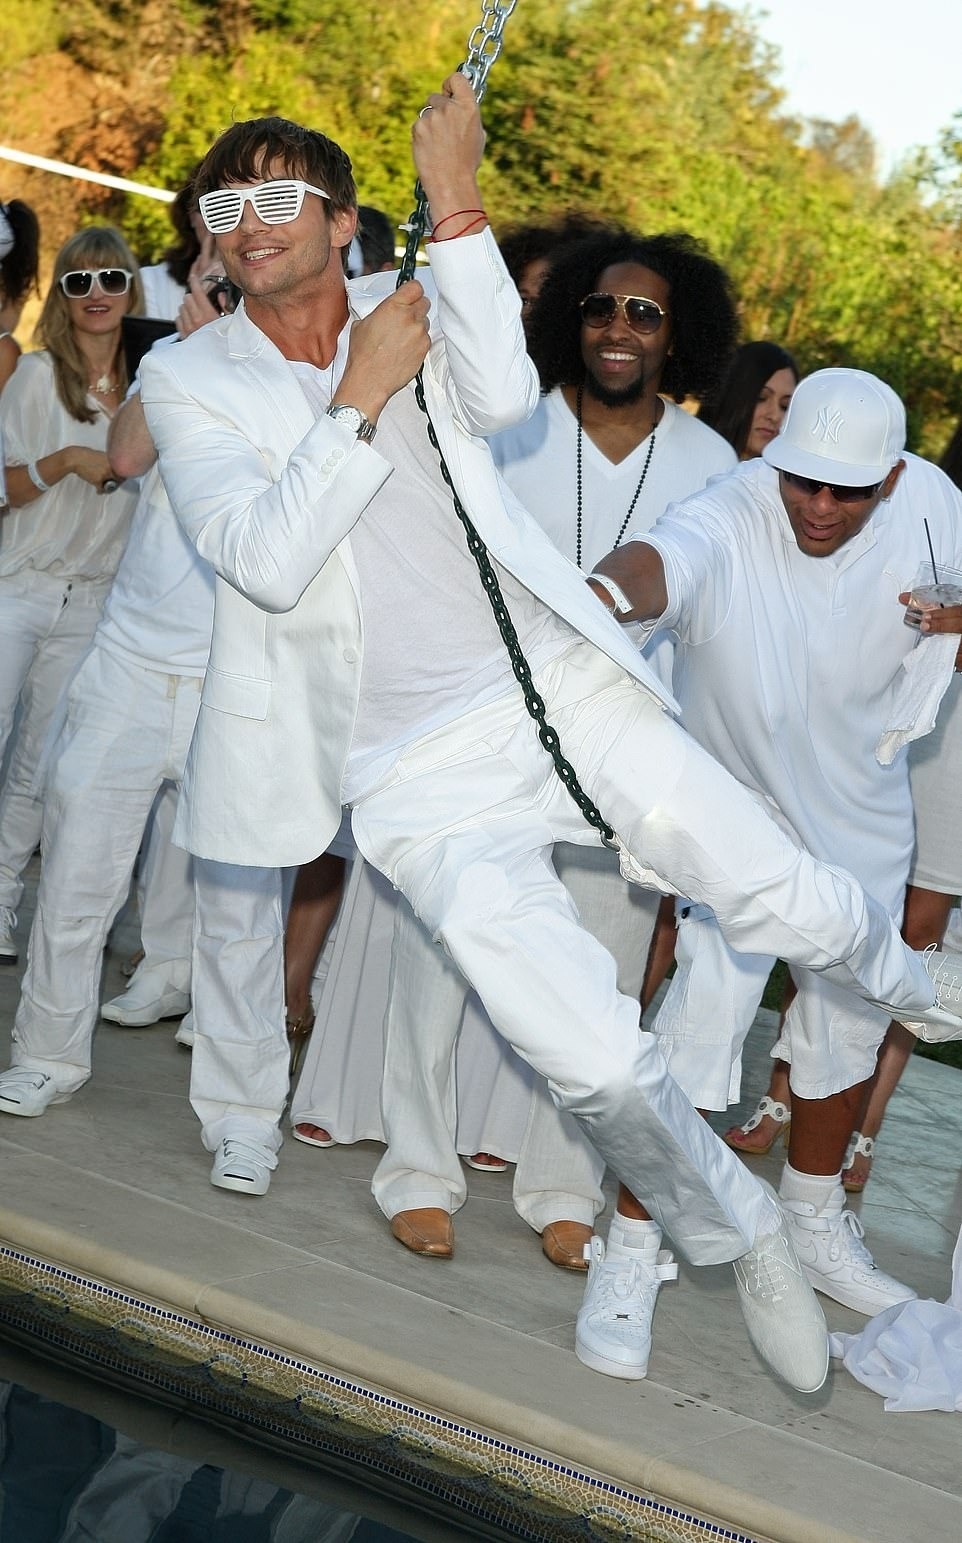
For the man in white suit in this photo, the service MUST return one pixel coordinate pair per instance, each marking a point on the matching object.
(355, 660)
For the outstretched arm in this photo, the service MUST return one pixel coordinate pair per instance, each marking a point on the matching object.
(639, 573)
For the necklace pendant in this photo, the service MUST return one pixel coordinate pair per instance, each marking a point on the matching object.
(103, 384)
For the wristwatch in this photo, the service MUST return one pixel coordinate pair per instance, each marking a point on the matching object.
(353, 419)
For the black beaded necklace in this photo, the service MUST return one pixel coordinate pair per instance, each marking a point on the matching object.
(635, 495)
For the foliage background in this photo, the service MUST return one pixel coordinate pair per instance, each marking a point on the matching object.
(662, 113)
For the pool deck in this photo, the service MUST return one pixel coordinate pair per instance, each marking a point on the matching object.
(114, 1185)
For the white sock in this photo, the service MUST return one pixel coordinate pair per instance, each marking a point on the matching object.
(628, 1234)
(817, 1189)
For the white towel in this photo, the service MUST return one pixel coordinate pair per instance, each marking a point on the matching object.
(924, 680)
(911, 1353)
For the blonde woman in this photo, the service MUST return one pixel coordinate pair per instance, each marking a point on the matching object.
(62, 538)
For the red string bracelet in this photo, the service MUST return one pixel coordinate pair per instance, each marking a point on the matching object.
(482, 217)
(455, 215)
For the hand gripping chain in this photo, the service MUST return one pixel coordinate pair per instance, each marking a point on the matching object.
(484, 46)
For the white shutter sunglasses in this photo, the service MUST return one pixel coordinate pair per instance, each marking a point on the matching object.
(274, 203)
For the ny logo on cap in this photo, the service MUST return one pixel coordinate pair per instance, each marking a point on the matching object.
(827, 425)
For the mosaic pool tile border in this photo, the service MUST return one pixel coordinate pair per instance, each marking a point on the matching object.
(303, 1407)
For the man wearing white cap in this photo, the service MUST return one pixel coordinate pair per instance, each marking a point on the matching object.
(786, 585)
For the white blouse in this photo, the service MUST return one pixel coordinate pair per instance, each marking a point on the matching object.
(72, 531)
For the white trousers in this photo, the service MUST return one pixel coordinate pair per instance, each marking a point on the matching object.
(558, 1174)
(830, 1038)
(165, 894)
(465, 825)
(126, 733)
(45, 626)
(239, 1073)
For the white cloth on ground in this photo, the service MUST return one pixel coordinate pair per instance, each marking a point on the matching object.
(911, 1354)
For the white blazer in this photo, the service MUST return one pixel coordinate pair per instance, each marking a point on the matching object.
(269, 496)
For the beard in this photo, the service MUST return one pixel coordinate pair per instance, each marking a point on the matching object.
(621, 396)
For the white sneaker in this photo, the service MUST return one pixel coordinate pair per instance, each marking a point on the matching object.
(783, 1318)
(27, 1092)
(943, 1021)
(185, 1031)
(9, 954)
(147, 1000)
(243, 1165)
(835, 1260)
(613, 1330)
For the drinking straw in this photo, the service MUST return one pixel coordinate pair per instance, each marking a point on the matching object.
(928, 537)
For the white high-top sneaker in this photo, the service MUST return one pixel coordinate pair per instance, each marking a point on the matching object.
(613, 1331)
(836, 1261)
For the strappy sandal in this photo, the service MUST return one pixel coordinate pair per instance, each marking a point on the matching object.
(859, 1146)
(298, 1034)
(776, 1111)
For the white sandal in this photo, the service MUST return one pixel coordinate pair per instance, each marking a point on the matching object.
(859, 1146)
(776, 1111)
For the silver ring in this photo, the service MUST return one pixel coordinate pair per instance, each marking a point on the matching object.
(428, 109)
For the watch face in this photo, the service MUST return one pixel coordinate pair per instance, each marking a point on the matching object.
(349, 416)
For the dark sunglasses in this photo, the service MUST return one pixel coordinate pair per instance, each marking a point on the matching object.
(77, 284)
(641, 314)
(841, 494)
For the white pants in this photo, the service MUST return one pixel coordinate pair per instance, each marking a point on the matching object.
(45, 626)
(464, 826)
(239, 1073)
(165, 893)
(830, 1038)
(558, 1174)
(127, 731)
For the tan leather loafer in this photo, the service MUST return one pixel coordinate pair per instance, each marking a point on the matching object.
(564, 1244)
(427, 1231)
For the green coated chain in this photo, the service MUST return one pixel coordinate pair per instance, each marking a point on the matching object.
(484, 46)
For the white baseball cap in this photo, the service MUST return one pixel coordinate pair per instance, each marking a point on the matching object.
(842, 426)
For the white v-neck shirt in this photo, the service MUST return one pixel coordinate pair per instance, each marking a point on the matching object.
(538, 460)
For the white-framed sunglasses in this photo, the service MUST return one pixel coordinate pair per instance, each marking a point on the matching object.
(78, 283)
(274, 203)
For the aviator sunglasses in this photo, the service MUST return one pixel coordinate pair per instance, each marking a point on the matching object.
(274, 203)
(78, 283)
(840, 493)
(641, 314)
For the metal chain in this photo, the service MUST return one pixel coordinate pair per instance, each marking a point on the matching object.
(484, 46)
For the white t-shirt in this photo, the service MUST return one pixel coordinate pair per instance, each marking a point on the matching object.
(432, 649)
(786, 665)
(538, 460)
(163, 296)
(72, 531)
(160, 609)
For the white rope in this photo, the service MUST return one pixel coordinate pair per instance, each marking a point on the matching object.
(64, 169)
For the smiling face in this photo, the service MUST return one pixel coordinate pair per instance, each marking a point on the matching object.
(820, 524)
(98, 313)
(770, 409)
(620, 363)
(272, 262)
